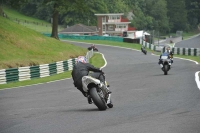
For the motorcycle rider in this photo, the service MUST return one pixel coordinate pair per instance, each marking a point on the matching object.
(93, 46)
(168, 53)
(82, 68)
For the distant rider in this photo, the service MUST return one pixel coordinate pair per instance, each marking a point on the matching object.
(168, 53)
(82, 68)
(93, 46)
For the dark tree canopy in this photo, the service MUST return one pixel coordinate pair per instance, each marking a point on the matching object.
(162, 15)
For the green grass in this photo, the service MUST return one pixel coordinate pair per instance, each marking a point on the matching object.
(20, 46)
(33, 23)
(96, 60)
(195, 58)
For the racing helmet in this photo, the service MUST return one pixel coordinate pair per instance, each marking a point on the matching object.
(81, 59)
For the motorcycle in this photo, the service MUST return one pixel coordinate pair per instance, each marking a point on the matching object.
(92, 47)
(143, 50)
(165, 64)
(96, 89)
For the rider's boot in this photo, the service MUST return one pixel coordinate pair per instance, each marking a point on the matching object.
(109, 102)
(107, 89)
(89, 99)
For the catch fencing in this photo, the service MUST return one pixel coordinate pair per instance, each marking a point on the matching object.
(40, 71)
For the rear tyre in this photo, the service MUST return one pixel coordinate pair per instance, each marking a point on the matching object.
(98, 101)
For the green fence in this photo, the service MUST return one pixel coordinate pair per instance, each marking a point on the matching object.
(82, 37)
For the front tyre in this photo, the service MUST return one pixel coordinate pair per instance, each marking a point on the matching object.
(165, 69)
(100, 103)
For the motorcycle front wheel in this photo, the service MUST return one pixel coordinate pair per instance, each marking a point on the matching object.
(98, 101)
(165, 69)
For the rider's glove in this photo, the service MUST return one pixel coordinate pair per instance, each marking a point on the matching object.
(102, 72)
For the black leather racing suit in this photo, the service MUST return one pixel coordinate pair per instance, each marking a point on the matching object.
(82, 69)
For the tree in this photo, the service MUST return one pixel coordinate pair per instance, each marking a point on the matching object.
(193, 11)
(140, 20)
(116, 6)
(60, 6)
(87, 18)
(177, 15)
(157, 9)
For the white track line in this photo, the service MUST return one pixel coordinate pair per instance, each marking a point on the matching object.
(104, 60)
(197, 79)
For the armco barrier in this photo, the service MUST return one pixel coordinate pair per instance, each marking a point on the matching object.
(185, 51)
(31, 72)
(150, 46)
(175, 50)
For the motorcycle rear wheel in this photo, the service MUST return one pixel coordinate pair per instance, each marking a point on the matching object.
(98, 101)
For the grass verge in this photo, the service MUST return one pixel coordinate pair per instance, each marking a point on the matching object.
(195, 58)
(20, 46)
(96, 60)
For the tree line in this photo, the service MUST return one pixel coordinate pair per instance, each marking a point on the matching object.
(163, 15)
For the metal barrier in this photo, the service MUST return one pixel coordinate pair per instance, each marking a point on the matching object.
(175, 50)
(44, 70)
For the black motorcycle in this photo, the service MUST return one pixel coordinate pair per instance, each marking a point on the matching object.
(165, 64)
(143, 50)
(93, 47)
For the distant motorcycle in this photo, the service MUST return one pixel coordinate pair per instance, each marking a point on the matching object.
(143, 50)
(92, 47)
(165, 64)
(95, 89)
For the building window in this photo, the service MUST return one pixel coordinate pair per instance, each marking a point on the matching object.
(104, 28)
(110, 27)
(121, 26)
(103, 19)
(118, 17)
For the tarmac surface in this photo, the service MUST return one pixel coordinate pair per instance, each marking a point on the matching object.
(190, 43)
(145, 100)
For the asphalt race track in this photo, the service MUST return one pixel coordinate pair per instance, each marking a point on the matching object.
(145, 100)
(190, 43)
